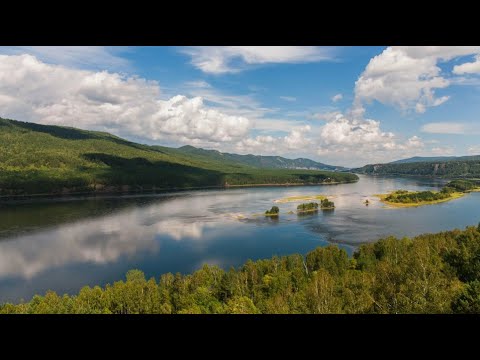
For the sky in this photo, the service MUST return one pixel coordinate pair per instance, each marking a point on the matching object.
(346, 106)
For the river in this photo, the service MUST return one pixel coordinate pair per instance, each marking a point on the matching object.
(65, 244)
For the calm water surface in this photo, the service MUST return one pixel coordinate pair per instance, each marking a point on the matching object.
(64, 245)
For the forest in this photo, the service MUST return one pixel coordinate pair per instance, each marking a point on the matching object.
(430, 273)
(451, 169)
(45, 159)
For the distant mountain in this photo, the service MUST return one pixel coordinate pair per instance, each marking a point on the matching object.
(457, 167)
(259, 161)
(435, 159)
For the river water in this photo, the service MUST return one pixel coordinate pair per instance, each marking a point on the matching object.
(65, 244)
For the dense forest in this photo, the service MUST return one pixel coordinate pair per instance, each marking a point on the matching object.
(431, 273)
(57, 160)
(452, 168)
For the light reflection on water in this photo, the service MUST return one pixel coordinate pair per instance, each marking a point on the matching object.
(65, 245)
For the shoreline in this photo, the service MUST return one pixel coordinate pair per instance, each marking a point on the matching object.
(6, 199)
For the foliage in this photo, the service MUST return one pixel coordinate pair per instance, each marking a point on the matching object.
(327, 204)
(313, 206)
(273, 211)
(431, 273)
(42, 159)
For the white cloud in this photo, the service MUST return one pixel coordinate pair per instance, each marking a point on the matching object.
(353, 141)
(456, 128)
(296, 139)
(85, 57)
(407, 76)
(225, 59)
(128, 106)
(474, 150)
(442, 150)
(337, 97)
(288, 98)
(468, 68)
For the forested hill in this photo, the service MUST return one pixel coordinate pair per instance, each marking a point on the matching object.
(452, 168)
(258, 161)
(436, 159)
(44, 159)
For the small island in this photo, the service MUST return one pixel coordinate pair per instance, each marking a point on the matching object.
(307, 208)
(453, 190)
(326, 204)
(274, 211)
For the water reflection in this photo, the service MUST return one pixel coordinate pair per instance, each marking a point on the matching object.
(67, 245)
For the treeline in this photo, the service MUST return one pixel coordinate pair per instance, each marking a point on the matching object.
(453, 168)
(42, 159)
(431, 273)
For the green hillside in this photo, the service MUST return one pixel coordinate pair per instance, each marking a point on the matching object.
(436, 159)
(451, 169)
(43, 159)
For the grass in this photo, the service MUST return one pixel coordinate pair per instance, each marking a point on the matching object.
(453, 196)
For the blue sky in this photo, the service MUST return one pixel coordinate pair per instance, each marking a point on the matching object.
(339, 105)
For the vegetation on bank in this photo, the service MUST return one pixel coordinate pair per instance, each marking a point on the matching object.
(326, 204)
(43, 159)
(431, 273)
(307, 207)
(273, 211)
(453, 190)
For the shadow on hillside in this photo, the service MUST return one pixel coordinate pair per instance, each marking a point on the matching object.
(140, 172)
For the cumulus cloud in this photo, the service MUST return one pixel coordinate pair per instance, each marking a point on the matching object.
(407, 76)
(130, 106)
(468, 68)
(337, 97)
(361, 140)
(232, 59)
(269, 145)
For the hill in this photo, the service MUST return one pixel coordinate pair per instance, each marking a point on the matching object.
(44, 159)
(436, 159)
(258, 161)
(452, 169)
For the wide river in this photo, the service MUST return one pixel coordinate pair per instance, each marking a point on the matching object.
(65, 244)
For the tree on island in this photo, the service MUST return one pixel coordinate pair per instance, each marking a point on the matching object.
(327, 204)
(273, 211)
(313, 206)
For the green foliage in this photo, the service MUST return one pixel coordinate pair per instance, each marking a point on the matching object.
(468, 302)
(431, 273)
(273, 211)
(327, 204)
(313, 206)
(41, 159)
(405, 197)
